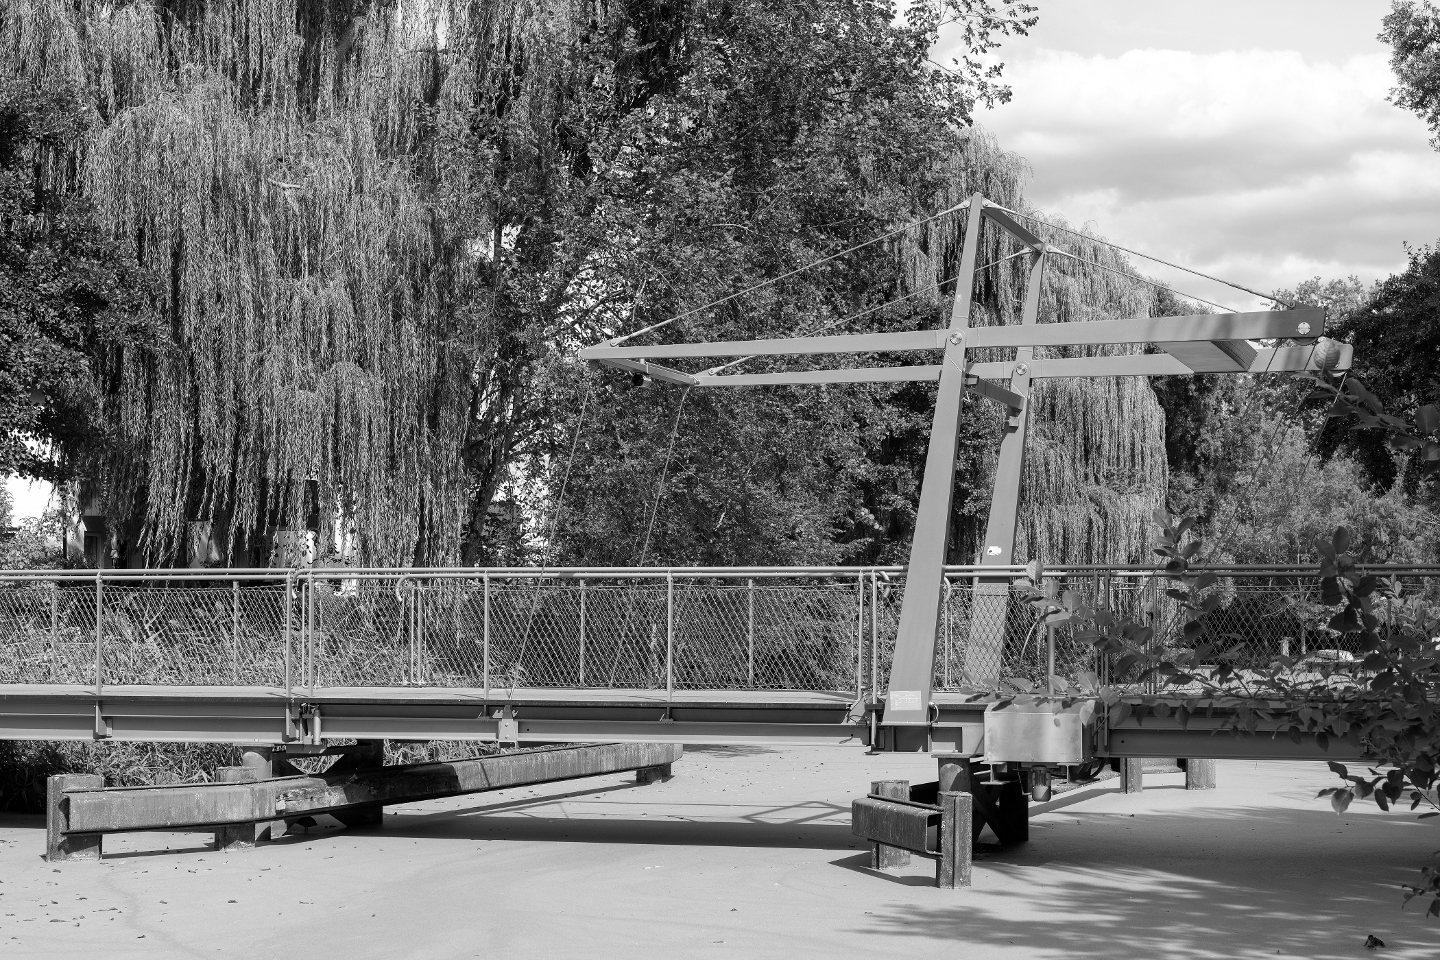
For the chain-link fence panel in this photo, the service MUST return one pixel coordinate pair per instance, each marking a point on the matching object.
(47, 632)
(766, 636)
(825, 632)
(206, 633)
(356, 633)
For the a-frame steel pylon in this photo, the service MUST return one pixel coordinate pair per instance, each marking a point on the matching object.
(1202, 343)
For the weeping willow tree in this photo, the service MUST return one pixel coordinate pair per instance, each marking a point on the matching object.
(276, 163)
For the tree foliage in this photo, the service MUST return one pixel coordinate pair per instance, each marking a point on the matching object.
(71, 303)
(1397, 344)
(1412, 29)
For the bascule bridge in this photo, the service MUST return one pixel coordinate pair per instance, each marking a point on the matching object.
(284, 661)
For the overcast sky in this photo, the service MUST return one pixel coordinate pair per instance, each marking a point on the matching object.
(1250, 139)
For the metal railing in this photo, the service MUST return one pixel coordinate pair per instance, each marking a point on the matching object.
(816, 628)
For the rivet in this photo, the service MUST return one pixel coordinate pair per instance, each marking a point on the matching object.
(1304, 328)
(955, 338)
(1022, 369)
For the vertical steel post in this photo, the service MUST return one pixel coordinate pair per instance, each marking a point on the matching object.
(669, 636)
(99, 613)
(912, 671)
(485, 635)
(990, 602)
(750, 627)
(582, 633)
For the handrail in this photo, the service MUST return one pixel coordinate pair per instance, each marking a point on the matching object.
(661, 573)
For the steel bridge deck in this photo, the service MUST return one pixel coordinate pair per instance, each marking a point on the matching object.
(691, 655)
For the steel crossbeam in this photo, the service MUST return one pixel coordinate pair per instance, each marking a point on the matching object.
(1266, 360)
(1201, 343)
(1166, 331)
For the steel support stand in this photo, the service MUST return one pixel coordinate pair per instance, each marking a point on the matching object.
(953, 868)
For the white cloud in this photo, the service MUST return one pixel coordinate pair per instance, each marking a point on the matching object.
(30, 498)
(1258, 166)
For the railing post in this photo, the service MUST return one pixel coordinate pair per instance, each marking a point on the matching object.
(874, 638)
(750, 629)
(289, 600)
(310, 640)
(54, 626)
(860, 635)
(485, 636)
(235, 631)
(99, 613)
(945, 619)
(669, 636)
(421, 652)
(582, 633)
(408, 610)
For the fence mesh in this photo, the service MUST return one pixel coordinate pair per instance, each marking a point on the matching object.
(831, 633)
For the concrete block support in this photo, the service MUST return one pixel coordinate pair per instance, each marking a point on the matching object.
(1199, 774)
(58, 844)
(261, 759)
(653, 774)
(1132, 775)
(952, 870)
(883, 856)
(233, 837)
